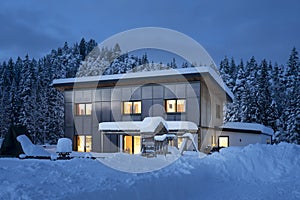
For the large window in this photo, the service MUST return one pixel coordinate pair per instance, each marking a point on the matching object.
(175, 105)
(84, 143)
(132, 144)
(223, 141)
(83, 109)
(132, 107)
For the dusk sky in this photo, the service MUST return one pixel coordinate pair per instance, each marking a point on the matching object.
(235, 28)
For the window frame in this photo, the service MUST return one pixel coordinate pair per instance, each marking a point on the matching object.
(77, 113)
(223, 136)
(176, 106)
(84, 139)
(132, 110)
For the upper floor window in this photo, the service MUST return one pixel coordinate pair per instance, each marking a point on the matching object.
(175, 105)
(132, 107)
(83, 108)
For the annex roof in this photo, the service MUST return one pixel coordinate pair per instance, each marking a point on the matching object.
(248, 127)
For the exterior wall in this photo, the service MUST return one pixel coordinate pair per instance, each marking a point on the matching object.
(107, 105)
(244, 139)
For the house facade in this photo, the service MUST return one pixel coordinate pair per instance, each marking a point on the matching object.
(190, 95)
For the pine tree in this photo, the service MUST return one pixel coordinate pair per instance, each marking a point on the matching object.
(82, 48)
(292, 104)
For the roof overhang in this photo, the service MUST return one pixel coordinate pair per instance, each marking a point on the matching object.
(142, 78)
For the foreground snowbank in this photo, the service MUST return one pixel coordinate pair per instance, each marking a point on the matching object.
(253, 172)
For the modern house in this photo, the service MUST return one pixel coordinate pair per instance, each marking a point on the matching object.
(111, 113)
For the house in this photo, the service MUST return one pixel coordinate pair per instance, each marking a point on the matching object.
(242, 134)
(184, 98)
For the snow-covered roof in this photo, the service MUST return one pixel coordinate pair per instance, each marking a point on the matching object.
(248, 126)
(149, 124)
(148, 74)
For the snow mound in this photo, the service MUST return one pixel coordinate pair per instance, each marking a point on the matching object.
(31, 149)
(257, 162)
(139, 164)
(64, 145)
(253, 172)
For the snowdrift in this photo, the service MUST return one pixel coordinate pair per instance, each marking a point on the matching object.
(253, 172)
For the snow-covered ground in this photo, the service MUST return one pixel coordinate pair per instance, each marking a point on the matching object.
(253, 172)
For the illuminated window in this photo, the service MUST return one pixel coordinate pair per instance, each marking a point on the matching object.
(223, 141)
(175, 105)
(132, 107)
(83, 108)
(132, 144)
(84, 143)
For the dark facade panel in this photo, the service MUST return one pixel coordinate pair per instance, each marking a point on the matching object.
(97, 111)
(136, 117)
(87, 126)
(106, 94)
(69, 114)
(193, 89)
(146, 108)
(116, 94)
(136, 93)
(82, 96)
(180, 91)
(110, 143)
(69, 96)
(193, 110)
(171, 117)
(97, 95)
(158, 108)
(87, 96)
(158, 91)
(106, 112)
(180, 117)
(126, 93)
(116, 111)
(69, 132)
(170, 91)
(78, 122)
(96, 140)
(147, 92)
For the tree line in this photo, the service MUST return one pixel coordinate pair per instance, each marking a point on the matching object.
(264, 92)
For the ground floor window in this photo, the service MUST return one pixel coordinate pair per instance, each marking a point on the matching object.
(84, 143)
(223, 141)
(132, 144)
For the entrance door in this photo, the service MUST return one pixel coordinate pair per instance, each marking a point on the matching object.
(132, 144)
(84, 143)
(223, 141)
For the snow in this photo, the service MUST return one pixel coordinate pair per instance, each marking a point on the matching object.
(249, 126)
(149, 124)
(64, 145)
(186, 137)
(252, 172)
(149, 74)
(31, 149)
(164, 137)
